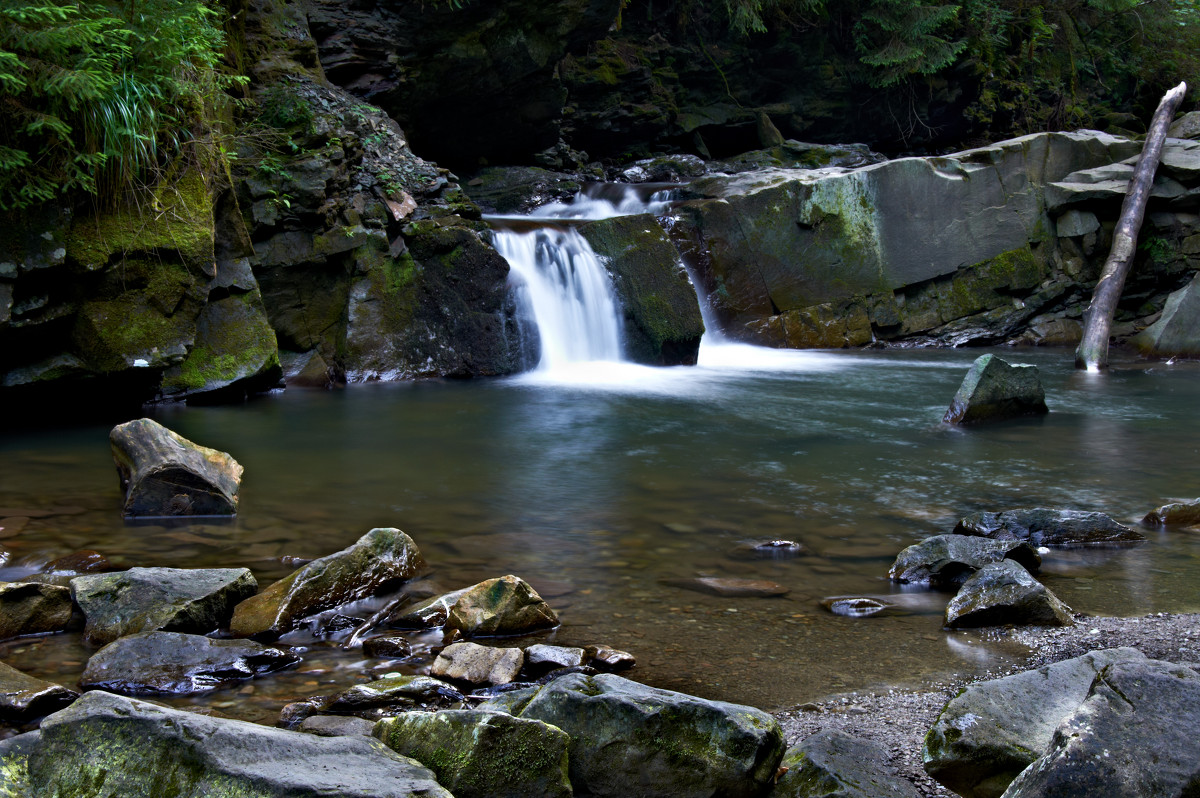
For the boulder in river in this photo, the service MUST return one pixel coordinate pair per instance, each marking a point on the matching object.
(1004, 592)
(1134, 736)
(1176, 514)
(1177, 331)
(630, 739)
(945, 560)
(23, 697)
(507, 605)
(542, 658)
(389, 646)
(163, 473)
(993, 730)
(431, 613)
(832, 764)
(379, 558)
(480, 754)
(994, 390)
(135, 748)
(1044, 527)
(197, 600)
(30, 608)
(607, 658)
(470, 662)
(172, 663)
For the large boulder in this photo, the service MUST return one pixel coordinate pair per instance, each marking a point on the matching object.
(506, 605)
(945, 560)
(630, 739)
(23, 697)
(663, 325)
(1004, 592)
(28, 608)
(1177, 331)
(382, 557)
(1046, 527)
(142, 750)
(832, 764)
(163, 473)
(1134, 736)
(172, 663)
(993, 390)
(197, 600)
(479, 754)
(993, 730)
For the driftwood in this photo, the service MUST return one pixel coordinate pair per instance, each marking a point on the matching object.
(1092, 353)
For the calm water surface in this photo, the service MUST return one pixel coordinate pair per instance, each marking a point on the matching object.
(599, 486)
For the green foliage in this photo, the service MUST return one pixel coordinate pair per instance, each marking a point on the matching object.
(99, 96)
(899, 38)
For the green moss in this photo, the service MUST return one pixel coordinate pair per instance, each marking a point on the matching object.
(237, 342)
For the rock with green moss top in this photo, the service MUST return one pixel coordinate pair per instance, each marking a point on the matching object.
(630, 739)
(993, 730)
(234, 345)
(31, 608)
(832, 764)
(380, 558)
(662, 315)
(132, 748)
(480, 754)
(506, 605)
(994, 390)
(163, 473)
(23, 697)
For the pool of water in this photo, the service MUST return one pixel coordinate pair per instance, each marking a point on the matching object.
(603, 485)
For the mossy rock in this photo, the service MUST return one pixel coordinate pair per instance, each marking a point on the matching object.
(234, 344)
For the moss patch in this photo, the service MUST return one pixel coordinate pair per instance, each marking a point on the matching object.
(234, 342)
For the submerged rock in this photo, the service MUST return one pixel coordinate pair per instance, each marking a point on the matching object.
(30, 608)
(993, 730)
(469, 662)
(163, 473)
(832, 764)
(995, 390)
(171, 663)
(22, 697)
(855, 606)
(381, 557)
(630, 739)
(1178, 514)
(730, 587)
(1004, 592)
(945, 560)
(1043, 527)
(767, 550)
(195, 600)
(480, 754)
(507, 605)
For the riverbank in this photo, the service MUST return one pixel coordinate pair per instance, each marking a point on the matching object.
(898, 719)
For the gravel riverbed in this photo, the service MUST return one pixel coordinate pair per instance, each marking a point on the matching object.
(898, 719)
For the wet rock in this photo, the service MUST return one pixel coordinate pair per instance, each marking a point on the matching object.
(163, 473)
(730, 587)
(541, 658)
(1177, 331)
(379, 558)
(1178, 514)
(767, 550)
(855, 606)
(337, 726)
(387, 647)
(394, 692)
(150, 599)
(500, 689)
(81, 562)
(470, 662)
(1004, 592)
(993, 730)
(478, 754)
(22, 697)
(1044, 527)
(606, 658)
(29, 609)
(429, 614)
(507, 605)
(519, 189)
(1133, 736)
(558, 673)
(136, 748)
(832, 764)
(171, 663)
(945, 560)
(630, 739)
(994, 390)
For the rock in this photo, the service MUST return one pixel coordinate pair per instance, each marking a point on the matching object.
(1077, 223)
(730, 587)
(993, 730)
(337, 726)
(392, 693)
(605, 658)
(429, 614)
(994, 390)
(234, 346)
(163, 473)
(1134, 736)
(767, 550)
(1108, 183)
(1178, 514)
(195, 600)
(379, 558)
(30, 609)
(520, 189)
(22, 697)
(478, 754)
(134, 748)
(387, 647)
(469, 662)
(662, 314)
(1177, 331)
(945, 560)
(832, 764)
(1004, 592)
(81, 562)
(1186, 126)
(171, 663)
(629, 739)
(1044, 527)
(507, 605)
(855, 606)
(541, 658)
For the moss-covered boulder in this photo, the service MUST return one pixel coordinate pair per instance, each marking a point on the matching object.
(506, 605)
(630, 739)
(381, 557)
(832, 764)
(994, 390)
(1005, 593)
(28, 608)
(234, 344)
(480, 754)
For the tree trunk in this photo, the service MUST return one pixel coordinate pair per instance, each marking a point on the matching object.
(1092, 353)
